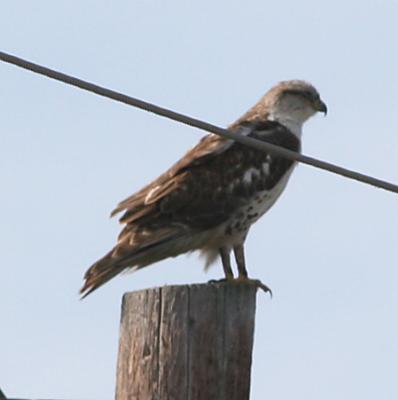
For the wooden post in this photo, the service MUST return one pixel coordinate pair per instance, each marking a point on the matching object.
(186, 343)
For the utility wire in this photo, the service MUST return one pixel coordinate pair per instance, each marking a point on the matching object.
(251, 142)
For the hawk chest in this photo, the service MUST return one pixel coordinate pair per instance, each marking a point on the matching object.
(262, 191)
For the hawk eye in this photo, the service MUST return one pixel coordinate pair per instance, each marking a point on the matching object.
(308, 95)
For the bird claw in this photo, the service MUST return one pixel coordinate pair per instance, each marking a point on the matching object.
(242, 281)
(220, 281)
(262, 286)
(254, 282)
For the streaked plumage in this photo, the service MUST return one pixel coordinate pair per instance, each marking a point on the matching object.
(208, 200)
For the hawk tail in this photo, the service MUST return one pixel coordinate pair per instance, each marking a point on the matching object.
(99, 273)
(113, 264)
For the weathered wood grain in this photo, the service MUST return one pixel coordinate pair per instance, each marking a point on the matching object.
(174, 340)
(138, 363)
(186, 343)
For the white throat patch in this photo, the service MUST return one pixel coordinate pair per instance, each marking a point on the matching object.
(295, 125)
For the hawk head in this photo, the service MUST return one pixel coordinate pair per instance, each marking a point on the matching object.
(289, 102)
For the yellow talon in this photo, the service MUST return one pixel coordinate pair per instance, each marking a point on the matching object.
(254, 282)
(243, 280)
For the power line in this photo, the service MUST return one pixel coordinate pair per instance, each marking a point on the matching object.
(251, 142)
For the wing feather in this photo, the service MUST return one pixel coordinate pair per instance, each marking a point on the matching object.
(209, 147)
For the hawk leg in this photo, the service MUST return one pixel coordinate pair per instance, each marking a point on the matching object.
(240, 261)
(226, 264)
(243, 276)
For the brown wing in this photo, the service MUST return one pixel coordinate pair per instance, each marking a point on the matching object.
(136, 205)
(205, 187)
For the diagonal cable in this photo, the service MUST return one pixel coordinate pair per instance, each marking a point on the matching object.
(164, 112)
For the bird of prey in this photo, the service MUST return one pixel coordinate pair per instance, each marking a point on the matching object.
(208, 200)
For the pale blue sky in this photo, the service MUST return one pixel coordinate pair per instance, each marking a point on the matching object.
(328, 248)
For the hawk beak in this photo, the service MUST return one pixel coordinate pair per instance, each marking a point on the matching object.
(321, 107)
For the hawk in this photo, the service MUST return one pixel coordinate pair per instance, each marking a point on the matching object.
(208, 200)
